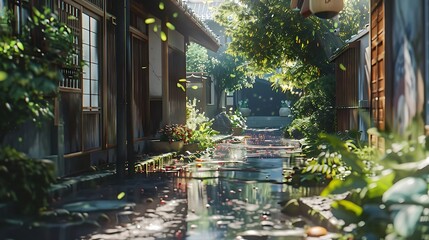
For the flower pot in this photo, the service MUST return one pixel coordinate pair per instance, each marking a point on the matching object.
(157, 146)
(284, 112)
(237, 131)
(245, 111)
(327, 8)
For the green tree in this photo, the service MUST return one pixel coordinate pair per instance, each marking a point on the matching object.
(293, 51)
(228, 73)
(196, 58)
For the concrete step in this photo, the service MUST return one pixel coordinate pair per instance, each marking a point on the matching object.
(268, 121)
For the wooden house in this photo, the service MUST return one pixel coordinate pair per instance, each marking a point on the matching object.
(399, 67)
(352, 84)
(128, 87)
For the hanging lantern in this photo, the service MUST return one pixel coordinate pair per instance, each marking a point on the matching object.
(305, 9)
(326, 8)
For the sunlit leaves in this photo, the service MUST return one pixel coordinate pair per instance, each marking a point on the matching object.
(194, 87)
(342, 67)
(163, 36)
(179, 85)
(182, 80)
(3, 76)
(170, 26)
(149, 20)
(161, 6)
(121, 195)
(175, 15)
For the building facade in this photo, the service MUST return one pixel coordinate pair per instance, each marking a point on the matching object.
(128, 85)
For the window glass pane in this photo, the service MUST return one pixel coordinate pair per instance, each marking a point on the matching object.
(94, 39)
(86, 101)
(85, 21)
(94, 87)
(94, 71)
(93, 25)
(86, 71)
(86, 86)
(85, 52)
(94, 100)
(85, 36)
(94, 55)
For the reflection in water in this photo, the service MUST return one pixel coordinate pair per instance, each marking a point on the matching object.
(235, 191)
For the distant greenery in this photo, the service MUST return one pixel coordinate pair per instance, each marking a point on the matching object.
(29, 67)
(196, 58)
(228, 72)
(293, 52)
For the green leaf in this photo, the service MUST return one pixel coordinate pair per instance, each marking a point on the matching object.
(407, 219)
(3, 76)
(155, 28)
(342, 67)
(149, 20)
(181, 87)
(170, 26)
(20, 45)
(194, 87)
(163, 36)
(182, 80)
(348, 206)
(175, 15)
(161, 6)
(121, 195)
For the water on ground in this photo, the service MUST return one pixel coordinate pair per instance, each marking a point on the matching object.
(232, 192)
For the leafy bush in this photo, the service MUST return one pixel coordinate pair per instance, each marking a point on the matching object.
(236, 118)
(175, 132)
(200, 125)
(314, 111)
(29, 67)
(24, 181)
(386, 201)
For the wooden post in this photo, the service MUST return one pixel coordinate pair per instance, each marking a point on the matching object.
(165, 76)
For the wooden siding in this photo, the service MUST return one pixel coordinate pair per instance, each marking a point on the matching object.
(141, 87)
(177, 71)
(71, 112)
(110, 123)
(378, 80)
(347, 99)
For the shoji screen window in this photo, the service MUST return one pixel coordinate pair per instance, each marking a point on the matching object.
(91, 70)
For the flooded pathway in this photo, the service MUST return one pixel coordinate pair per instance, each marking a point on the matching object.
(232, 192)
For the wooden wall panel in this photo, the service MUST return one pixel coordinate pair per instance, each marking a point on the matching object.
(177, 71)
(347, 100)
(110, 123)
(71, 113)
(140, 87)
(378, 82)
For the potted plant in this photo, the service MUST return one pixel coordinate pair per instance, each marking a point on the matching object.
(284, 108)
(172, 137)
(243, 106)
(238, 122)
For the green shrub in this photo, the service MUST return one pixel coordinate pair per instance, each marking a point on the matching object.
(24, 181)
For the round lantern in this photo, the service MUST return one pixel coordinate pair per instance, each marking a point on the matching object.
(326, 8)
